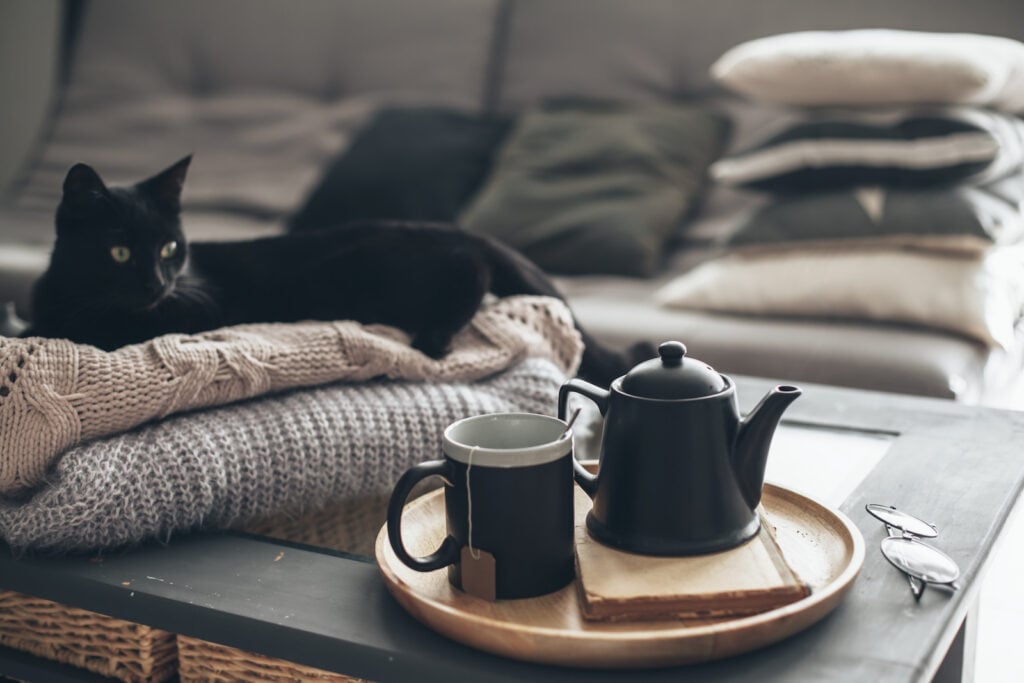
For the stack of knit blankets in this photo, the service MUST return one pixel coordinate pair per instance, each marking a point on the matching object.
(102, 449)
(892, 180)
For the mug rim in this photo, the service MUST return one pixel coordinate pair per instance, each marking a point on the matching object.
(527, 456)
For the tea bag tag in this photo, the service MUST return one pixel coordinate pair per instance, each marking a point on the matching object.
(477, 568)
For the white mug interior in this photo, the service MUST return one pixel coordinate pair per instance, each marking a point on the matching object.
(507, 440)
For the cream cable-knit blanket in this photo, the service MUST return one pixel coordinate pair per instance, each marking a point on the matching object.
(55, 394)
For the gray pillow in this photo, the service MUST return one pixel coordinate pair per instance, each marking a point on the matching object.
(592, 188)
(962, 218)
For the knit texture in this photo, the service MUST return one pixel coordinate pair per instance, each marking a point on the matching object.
(55, 394)
(224, 466)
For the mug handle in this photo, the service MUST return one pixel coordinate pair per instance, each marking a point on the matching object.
(448, 553)
(586, 480)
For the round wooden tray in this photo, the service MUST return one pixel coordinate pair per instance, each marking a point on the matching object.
(822, 545)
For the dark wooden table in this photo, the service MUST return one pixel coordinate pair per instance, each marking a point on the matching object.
(959, 467)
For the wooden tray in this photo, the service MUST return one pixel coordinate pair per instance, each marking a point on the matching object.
(822, 545)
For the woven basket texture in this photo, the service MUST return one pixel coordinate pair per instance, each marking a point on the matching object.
(200, 660)
(350, 525)
(133, 652)
(111, 647)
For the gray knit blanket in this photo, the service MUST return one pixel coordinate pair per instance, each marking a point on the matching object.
(221, 467)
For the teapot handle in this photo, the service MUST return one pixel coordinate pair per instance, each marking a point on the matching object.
(586, 480)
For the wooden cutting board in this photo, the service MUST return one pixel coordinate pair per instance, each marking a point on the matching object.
(749, 579)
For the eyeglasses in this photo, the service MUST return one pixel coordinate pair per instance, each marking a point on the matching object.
(922, 563)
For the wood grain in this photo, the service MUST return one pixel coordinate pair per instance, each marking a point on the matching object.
(751, 578)
(822, 546)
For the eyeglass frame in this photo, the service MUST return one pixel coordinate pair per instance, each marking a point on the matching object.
(917, 584)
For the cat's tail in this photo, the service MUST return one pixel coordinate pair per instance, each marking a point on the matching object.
(512, 273)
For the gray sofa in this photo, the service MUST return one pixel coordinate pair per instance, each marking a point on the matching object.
(266, 92)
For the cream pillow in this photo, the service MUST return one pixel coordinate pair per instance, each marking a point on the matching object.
(876, 67)
(979, 297)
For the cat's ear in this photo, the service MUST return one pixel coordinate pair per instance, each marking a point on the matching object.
(165, 187)
(83, 184)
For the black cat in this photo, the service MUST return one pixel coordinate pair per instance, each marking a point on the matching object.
(122, 272)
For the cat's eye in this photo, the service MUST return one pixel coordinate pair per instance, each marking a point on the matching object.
(169, 249)
(120, 254)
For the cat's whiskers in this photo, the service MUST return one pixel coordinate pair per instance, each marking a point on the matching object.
(191, 292)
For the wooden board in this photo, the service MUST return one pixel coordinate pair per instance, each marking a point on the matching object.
(751, 578)
(821, 545)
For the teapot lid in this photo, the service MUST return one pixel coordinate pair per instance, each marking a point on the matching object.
(673, 376)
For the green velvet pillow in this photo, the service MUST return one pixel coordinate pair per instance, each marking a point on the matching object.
(597, 188)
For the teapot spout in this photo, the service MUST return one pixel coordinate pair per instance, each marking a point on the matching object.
(750, 458)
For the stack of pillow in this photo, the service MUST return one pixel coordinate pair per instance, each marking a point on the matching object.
(896, 194)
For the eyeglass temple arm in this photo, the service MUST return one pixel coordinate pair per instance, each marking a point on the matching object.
(917, 586)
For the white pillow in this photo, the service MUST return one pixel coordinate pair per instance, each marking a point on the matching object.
(876, 67)
(979, 297)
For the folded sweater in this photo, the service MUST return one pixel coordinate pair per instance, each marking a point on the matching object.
(276, 455)
(55, 394)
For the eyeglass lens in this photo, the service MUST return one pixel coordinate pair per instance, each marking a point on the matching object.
(901, 520)
(919, 560)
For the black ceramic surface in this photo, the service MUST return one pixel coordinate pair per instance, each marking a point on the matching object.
(677, 477)
(666, 485)
(693, 504)
(523, 516)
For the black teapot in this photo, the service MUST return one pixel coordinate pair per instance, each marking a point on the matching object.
(679, 472)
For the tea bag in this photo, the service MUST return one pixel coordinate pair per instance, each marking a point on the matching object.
(478, 570)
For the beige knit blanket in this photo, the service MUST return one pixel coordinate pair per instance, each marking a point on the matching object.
(55, 394)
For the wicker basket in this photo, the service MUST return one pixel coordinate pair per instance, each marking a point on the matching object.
(101, 644)
(349, 525)
(133, 652)
(200, 660)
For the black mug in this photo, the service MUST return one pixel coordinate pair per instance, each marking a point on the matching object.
(513, 472)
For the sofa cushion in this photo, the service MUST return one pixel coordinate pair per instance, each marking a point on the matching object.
(419, 164)
(597, 188)
(916, 148)
(862, 354)
(965, 219)
(262, 93)
(871, 67)
(20, 266)
(979, 297)
(25, 240)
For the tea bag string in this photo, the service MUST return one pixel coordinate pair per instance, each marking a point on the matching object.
(473, 552)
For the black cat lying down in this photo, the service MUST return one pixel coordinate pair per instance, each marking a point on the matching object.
(121, 272)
